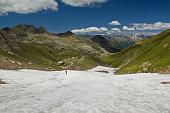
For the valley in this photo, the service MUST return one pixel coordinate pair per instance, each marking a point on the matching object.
(84, 56)
(30, 47)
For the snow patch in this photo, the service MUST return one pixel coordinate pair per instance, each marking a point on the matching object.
(32, 91)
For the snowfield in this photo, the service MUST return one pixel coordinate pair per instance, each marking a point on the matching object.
(31, 91)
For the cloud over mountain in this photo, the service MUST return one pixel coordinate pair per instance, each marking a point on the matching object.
(131, 28)
(26, 6)
(115, 30)
(154, 26)
(90, 30)
(94, 30)
(126, 28)
(82, 3)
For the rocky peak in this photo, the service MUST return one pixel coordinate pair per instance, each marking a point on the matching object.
(68, 33)
(24, 28)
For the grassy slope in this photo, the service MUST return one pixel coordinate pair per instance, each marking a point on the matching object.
(149, 55)
(46, 51)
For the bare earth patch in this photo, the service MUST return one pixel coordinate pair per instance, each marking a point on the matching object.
(166, 82)
(2, 82)
(103, 71)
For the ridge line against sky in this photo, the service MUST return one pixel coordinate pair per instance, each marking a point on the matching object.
(88, 16)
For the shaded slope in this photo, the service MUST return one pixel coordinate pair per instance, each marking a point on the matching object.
(104, 43)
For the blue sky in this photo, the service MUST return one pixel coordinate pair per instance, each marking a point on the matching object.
(60, 16)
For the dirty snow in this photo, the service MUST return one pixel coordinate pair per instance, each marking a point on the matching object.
(31, 91)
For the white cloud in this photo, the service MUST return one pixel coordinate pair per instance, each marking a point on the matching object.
(114, 22)
(94, 30)
(154, 26)
(115, 30)
(82, 3)
(26, 6)
(128, 28)
(103, 29)
(90, 30)
(142, 26)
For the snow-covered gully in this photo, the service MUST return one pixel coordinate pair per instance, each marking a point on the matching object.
(30, 91)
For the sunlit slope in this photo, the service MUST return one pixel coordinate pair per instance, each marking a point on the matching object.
(149, 55)
(47, 51)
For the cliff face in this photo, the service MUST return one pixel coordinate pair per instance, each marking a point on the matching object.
(8, 40)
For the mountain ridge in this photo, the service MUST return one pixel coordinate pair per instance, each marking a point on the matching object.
(22, 47)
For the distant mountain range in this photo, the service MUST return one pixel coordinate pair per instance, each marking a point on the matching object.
(114, 43)
(105, 43)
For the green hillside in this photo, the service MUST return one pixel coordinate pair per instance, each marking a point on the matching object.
(46, 51)
(149, 55)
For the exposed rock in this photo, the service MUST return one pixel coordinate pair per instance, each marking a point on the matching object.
(60, 62)
(8, 40)
(165, 82)
(166, 45)
(23, 28)
(2, 82)
(122, 42)
(145, 66)
(19, 63)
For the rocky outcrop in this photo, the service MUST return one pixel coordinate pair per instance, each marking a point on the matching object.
(23, 28)
(8, 40)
